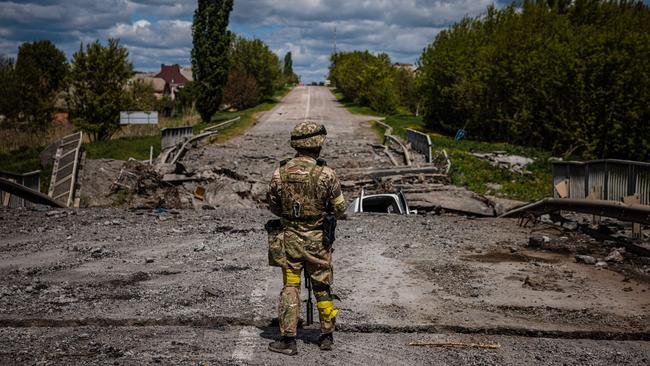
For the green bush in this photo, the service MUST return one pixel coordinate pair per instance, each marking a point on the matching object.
(569, 77)
(255, 58)
(366, 80)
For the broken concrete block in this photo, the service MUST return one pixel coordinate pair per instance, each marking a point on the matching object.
(601, 264)
(241, 187)
(586, 259)
(614, 257)
(570, 225)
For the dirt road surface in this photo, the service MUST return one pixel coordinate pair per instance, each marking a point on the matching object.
(118, 287)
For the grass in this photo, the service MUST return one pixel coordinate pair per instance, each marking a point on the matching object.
(124, 148)
(355, 108)
(468, 170)
(476, 174)
(25, 160)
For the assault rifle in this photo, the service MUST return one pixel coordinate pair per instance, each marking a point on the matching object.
(329, 226)
(310, 304)
(329, 229)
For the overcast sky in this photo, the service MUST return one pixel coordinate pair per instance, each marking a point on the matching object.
(159, 31)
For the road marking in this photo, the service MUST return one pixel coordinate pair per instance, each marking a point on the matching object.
(249, 337)
(308, 102)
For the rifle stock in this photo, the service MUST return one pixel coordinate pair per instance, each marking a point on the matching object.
(310, 304)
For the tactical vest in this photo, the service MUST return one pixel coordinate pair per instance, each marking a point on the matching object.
(300, 196)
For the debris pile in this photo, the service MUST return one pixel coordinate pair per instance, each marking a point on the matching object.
(500, 159)
(140, 185)
(144, 187)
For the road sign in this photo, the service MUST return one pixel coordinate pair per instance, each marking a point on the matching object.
(138, 118)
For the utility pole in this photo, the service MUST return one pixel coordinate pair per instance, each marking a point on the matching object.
(334, 40)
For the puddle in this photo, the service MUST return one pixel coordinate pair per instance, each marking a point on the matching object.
(498, 257)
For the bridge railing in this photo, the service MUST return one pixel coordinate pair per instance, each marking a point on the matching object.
(608, 179)
(30, 180)
(420, 142)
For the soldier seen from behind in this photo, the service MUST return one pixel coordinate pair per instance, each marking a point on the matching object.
(306, 195)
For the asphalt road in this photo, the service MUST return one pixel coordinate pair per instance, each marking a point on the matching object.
(107, 286)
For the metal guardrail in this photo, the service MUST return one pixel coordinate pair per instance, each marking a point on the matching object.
(388, 135)
(421, 142)
(30, 180)
(220, 125)
(64, 170)
(181, 150)
(172, 136)
(608, 179)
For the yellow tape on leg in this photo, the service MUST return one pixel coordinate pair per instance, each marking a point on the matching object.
(291, 276)
(338, 200)
(326, 310)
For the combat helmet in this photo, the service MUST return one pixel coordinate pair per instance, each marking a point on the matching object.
(308, 135)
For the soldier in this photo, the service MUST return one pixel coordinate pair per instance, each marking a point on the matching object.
(300, 191)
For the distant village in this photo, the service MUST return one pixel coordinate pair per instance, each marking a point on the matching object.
(167, 82)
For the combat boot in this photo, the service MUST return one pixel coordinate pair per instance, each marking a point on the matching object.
(286, 345)
(326, 341)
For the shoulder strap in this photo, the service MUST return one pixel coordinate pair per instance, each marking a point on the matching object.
(315, 173)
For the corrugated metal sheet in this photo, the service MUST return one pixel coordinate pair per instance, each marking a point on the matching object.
(642, 184)
(30, 180)
(605, 179)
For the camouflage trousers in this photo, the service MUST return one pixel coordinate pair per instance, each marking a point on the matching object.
(305, 251)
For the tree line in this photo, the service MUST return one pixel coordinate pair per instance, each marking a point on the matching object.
(571, 77)
(97, 83)
(372, 80)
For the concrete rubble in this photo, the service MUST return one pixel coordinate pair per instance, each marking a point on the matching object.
(500, 159)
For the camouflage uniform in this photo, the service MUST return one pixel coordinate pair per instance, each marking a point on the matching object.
(299, 191)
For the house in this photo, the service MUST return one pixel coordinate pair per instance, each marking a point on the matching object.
(175, 77)
(160, 86)
(187, 72)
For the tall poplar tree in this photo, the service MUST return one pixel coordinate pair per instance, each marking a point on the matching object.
(288, 64)
(211, 44)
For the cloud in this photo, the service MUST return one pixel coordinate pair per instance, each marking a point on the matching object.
(159, 31)
(307, 27)
(163, 34)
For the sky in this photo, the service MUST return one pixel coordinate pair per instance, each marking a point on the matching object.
(159, 31)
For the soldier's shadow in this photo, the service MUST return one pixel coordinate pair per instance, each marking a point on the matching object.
(308, 335)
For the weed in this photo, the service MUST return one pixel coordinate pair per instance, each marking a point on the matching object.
(124, 148)
(25, 160)
(355, 108)
(121, 198)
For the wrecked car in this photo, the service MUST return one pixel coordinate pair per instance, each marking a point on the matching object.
(393, 203)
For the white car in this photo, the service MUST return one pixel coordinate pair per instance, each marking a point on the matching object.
(382, 203)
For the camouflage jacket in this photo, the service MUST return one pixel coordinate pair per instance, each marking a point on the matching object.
(327, 189)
